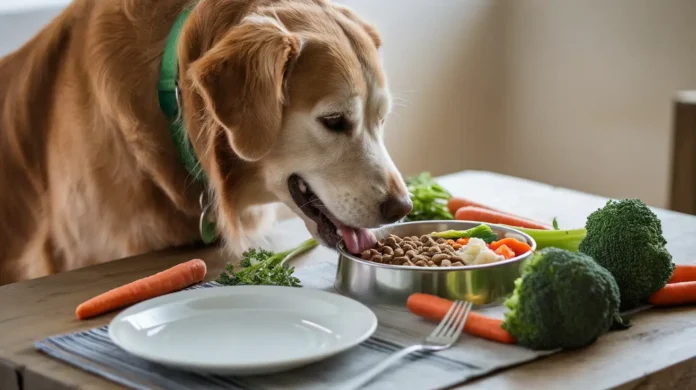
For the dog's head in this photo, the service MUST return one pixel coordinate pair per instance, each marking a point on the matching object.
(299, 93)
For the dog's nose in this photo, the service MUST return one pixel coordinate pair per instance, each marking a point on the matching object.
(395, 208)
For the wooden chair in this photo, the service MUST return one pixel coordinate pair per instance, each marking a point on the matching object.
(683, 186)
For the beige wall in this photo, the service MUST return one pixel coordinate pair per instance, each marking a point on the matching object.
(588, 90)
(575, 93)
(443, 60)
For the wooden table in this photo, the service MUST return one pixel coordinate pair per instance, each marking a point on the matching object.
(658, 352)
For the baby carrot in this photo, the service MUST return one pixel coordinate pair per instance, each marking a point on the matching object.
(518, 247)
(169, 280)
(456, 203)
(478, 214)
(683, 273)
(505, 251)
(674, 294)
(435, 308)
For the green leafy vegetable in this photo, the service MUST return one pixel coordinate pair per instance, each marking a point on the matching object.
(626, 238)
(562, 300)
(483, 232)
(555, 224)
(263, 267)
(429, 199)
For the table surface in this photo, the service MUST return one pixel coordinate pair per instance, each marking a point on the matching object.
(658, 352)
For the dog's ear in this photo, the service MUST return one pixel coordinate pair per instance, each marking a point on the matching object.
(242, 79)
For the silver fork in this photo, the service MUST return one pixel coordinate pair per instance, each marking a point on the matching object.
(444, 336)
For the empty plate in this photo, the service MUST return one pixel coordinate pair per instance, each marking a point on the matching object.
(242, 330)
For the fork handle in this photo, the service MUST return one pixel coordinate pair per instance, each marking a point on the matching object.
(378, 369)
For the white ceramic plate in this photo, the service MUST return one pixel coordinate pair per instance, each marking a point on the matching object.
(242, 330)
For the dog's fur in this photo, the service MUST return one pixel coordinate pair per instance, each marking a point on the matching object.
(88, 169)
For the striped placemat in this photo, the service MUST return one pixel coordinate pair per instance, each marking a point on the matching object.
(93, 351)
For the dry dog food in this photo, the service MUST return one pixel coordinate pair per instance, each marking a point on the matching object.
(424, 251)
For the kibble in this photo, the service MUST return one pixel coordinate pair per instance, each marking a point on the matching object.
(439, 258)
(412, 251)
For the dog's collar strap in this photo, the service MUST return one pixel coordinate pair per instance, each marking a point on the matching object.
(169, 100)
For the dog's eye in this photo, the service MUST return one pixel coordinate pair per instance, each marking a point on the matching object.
(336, 123)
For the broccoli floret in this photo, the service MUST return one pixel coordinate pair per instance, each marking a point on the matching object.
(482, 231)
(625, 237)
(562, 300)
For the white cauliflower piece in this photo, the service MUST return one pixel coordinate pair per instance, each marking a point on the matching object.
(476, 252)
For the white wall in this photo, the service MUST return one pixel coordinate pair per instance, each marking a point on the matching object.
(21, 19)
(575, 93)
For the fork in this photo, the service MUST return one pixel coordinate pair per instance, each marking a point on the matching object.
(443, 337)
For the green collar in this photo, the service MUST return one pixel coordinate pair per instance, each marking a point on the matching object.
(168, 88)
(169, 100)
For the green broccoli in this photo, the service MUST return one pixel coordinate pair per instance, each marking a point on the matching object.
(562, 299)
(625, 237)
(482, 231)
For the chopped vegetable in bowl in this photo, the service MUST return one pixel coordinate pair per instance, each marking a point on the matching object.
(476, 252)
(475, 246)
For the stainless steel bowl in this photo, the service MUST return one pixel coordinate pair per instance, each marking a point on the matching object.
(483, 285)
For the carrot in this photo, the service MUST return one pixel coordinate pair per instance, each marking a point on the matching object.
(683, 273)
(518, 247)
(675, 294)
(169, 280)
(505, 251)
(435, 308)
(456, 203)
(478, 214)
(463, 241)
(454, 244)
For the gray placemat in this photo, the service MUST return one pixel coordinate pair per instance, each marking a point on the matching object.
(93, 351)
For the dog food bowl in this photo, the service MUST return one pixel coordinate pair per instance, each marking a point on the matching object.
(377, 283)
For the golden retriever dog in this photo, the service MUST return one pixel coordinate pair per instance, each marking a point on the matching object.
(280, 101)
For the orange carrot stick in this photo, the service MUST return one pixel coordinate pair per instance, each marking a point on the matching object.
(518, 247)
(456, 203)
(435, 308)
(172, 279)
(674, 294)
(683, 273)
(478, 214)
(463, 241)
(505, 251)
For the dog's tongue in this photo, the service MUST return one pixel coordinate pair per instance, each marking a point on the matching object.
(357, 240)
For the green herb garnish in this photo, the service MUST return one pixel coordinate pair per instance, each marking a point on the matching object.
(263, 267)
